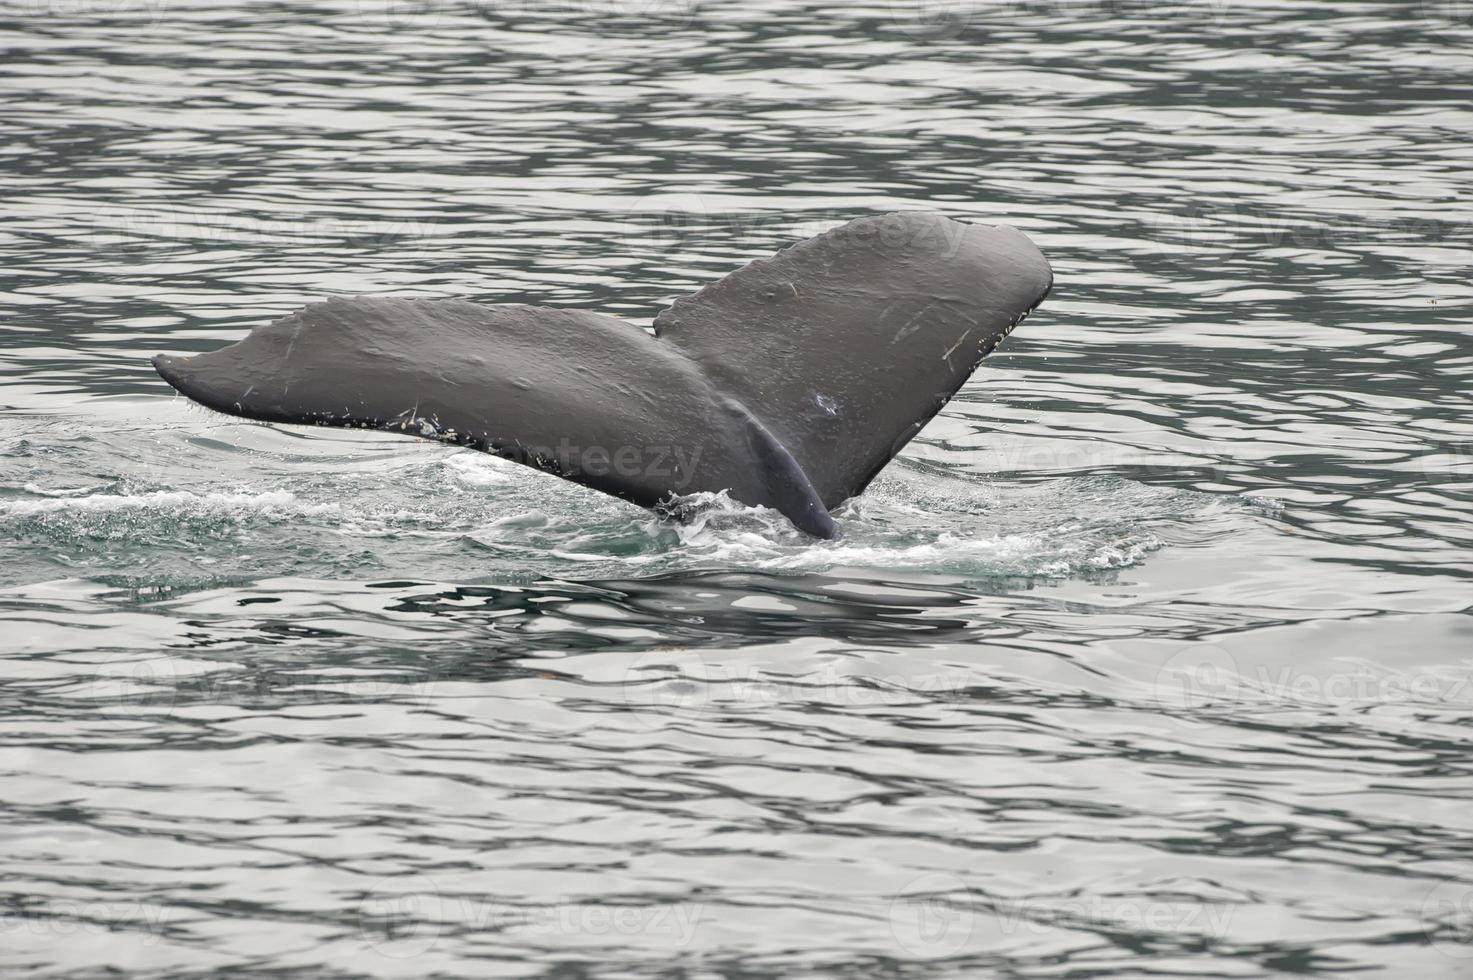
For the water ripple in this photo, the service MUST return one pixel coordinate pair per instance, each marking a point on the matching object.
(1151, 655)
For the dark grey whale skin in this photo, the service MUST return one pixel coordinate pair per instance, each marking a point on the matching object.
(790, 383)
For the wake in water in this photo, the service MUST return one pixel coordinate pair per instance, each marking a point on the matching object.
(365, 506)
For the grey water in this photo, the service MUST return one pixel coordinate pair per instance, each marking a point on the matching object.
(1151, 656)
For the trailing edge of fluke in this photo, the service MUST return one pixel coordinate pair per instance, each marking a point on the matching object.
(789, 383)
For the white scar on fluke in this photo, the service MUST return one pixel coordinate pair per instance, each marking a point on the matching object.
(790, 383)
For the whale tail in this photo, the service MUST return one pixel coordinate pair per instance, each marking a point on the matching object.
(791, 382)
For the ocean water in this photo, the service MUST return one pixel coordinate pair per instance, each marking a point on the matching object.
(1151, 656)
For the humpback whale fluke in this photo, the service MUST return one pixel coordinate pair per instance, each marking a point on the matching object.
(790, 383)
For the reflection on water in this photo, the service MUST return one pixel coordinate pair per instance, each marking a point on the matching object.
(1151, 656)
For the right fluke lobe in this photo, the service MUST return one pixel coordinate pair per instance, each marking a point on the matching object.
(844, 345)
(789, 383)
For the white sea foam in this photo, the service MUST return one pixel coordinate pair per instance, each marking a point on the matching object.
(881, 534)
(183, 501)
(477, 470)
(467, 514)
(60, 491)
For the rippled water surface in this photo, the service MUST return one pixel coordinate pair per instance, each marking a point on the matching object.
(1151, 656)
